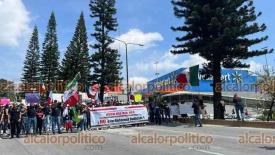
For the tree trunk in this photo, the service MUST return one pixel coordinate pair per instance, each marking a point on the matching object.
(217, 90)
(270, 110)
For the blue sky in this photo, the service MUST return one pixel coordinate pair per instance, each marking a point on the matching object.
(141, 21)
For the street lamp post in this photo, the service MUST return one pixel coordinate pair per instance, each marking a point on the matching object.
(157, 74)
(127, 73)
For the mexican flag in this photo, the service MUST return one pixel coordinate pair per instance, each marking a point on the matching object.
(191, 77)
(71, 96)
(42, 88)
(50, 98)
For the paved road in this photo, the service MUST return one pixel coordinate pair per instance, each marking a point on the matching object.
(120, 141)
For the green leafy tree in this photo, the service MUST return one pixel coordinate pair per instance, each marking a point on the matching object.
(105, 61)
(50, 55)
(77, 55)
(221, 32)
(266, 84)
(31, 64)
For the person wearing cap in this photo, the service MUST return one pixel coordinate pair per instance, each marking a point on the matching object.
(15, 120)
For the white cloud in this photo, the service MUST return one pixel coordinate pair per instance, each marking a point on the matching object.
(193, 60)
(138, 80)
(169, 62)
(255, 66)
(14, 22)
(138, 83)
(138, 37)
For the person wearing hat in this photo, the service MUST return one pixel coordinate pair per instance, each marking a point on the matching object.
(15, 120)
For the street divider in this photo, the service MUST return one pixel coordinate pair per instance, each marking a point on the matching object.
(234, 123)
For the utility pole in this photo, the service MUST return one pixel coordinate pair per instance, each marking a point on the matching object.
(157, 74)
(127, 72)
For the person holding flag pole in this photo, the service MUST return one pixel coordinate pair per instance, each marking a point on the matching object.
(71, 96)
(191, 78)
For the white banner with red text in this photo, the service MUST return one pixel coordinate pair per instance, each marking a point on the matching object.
(119, 115)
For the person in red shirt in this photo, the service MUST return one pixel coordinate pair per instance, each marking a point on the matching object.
(40, 118)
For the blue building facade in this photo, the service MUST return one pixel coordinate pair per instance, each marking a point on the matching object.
(232, 81)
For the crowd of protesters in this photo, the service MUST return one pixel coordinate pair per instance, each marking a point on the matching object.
(162, 112)
(158, 113)
(36, 119)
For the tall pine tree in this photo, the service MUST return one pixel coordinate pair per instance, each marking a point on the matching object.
(77, 55)
(105, 61)
(31, 64)
(50, 55)
(219, 31)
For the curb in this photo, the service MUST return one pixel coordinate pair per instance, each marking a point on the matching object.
(230, 123)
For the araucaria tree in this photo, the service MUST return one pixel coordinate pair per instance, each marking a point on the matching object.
(105, 61)
(221, 31)
(50, 55)
(77, 55)
(31, 64)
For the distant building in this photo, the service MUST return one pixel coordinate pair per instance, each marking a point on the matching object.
(233, 81)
